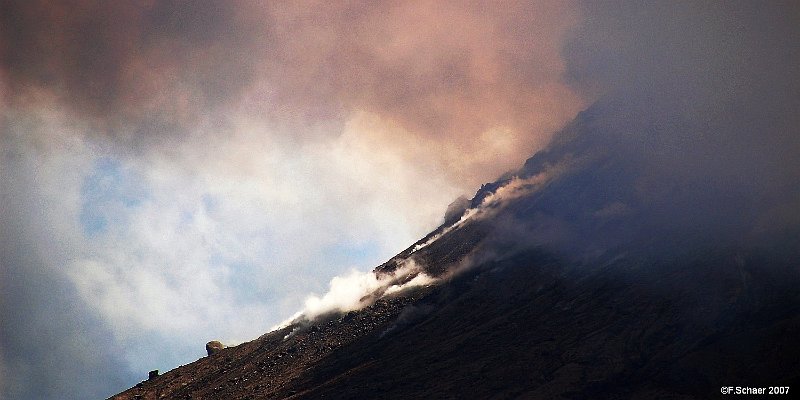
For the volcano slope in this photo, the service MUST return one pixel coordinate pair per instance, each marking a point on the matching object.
(583, 275)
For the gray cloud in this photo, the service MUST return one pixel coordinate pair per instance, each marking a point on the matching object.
(121, 63)
(241, 118)
(50, 346)
(692, 140)
(479, 82)
(241, 123)
(708, 88)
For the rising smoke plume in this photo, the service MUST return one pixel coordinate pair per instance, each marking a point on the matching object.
(166, 166)
(202, 165)
(690, 144)
(357, 290)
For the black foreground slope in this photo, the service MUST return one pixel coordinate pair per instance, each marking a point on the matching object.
(528, 327)
(577, 284)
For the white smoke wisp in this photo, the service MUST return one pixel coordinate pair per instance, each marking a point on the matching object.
(469, 213)
(514, 188)
(345, 294)
(422, 279)
(357, 290)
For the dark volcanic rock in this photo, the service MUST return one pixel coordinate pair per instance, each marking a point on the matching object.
(213, 347)
(529, 326)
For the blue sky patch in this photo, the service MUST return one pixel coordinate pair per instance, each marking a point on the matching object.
(108, 193)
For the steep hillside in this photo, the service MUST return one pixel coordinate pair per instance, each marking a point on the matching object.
(585, 274)
(528, 326)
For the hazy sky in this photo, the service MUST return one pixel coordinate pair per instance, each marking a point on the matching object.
(177, 172)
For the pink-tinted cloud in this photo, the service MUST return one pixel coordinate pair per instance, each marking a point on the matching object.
(478, 82)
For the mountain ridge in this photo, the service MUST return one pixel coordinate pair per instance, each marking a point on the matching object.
(588, 273)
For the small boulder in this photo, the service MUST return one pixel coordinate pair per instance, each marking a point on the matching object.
(213, 347)
(152, 374)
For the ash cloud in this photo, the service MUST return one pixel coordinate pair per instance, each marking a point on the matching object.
(212, 140)
(719, 77)
(479, 83)
(243, 121)
(702, 96)
(122, 65)
(475, 80)
(690, 144)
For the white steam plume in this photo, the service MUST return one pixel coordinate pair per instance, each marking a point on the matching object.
(357, 290)
(514, 188)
